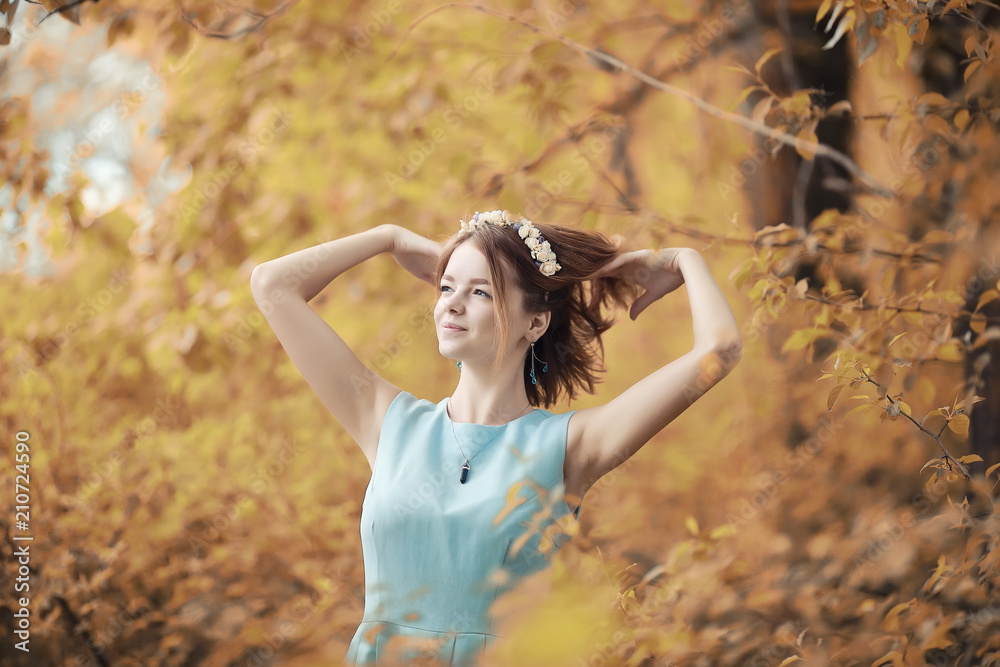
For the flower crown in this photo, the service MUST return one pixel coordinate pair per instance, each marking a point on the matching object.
(541, 251)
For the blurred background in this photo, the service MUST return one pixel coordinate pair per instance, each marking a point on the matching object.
(193, 503)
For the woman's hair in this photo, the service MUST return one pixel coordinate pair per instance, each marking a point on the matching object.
(571, 345)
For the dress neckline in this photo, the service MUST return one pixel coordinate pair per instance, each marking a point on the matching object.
(447, 403)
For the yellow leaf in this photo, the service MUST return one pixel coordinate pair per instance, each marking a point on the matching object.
(938, 236)
(894, 339)
(823, 9)
(986, 297)
(895, 657)
(970, 458)
(933, 463)
(692, 525)
(858, 409)
(891, 621)
(798, 104)
(831, 400)
(789, 660)
(938, 573)
(970, 45)
(962, 119)
(807, 152)
(959, 424)
(992, 468)
(949, 352)
(725, 530)
(973, 66)
(938, 638)
(745, 93)
(900, 38)
(931, 99)
(764, 58)
(803, 337)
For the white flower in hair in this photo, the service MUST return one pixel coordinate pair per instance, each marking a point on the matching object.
(541, 251)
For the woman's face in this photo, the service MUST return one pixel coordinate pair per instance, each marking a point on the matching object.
(464, 316)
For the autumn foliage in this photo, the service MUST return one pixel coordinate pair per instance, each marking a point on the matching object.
(830, 502)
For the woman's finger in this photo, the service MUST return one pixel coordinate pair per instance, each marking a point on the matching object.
(618, 263)
(640, 304)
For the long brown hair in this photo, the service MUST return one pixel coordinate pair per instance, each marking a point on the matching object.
(571, 346)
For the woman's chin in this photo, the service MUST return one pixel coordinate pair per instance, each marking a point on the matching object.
(448, 351)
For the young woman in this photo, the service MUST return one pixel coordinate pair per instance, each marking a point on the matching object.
(472, 494)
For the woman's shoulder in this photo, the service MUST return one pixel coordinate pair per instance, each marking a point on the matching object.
(405, 406)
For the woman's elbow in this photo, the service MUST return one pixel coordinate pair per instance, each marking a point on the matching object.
(728, 352)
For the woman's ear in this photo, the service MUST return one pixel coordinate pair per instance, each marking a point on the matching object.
(538, 324)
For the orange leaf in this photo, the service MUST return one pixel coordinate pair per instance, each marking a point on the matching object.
(973, 66)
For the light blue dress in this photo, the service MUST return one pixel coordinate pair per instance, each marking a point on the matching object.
(437, 553)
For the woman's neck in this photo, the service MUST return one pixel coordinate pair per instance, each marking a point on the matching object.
(483, 399)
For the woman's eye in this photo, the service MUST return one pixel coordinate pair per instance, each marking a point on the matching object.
(484, 293)
(444, 287)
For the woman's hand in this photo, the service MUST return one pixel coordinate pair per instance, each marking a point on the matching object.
(658, 272)
(415, 253)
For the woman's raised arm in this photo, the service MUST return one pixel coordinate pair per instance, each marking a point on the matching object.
(603, 437)
(282, 288)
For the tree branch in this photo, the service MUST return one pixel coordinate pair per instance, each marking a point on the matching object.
(747, 123)
(947, 455)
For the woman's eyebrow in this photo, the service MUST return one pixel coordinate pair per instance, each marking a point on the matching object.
(474, 281)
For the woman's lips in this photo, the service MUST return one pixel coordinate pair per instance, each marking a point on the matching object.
(452, 327)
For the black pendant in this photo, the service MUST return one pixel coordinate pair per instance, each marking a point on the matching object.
(465, 472)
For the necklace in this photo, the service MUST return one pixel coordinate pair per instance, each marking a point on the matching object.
(465, 466)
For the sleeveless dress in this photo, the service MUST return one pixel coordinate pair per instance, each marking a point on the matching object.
(438, 553)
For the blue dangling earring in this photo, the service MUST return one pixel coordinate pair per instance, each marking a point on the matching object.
(545, 367)
(459, 364)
